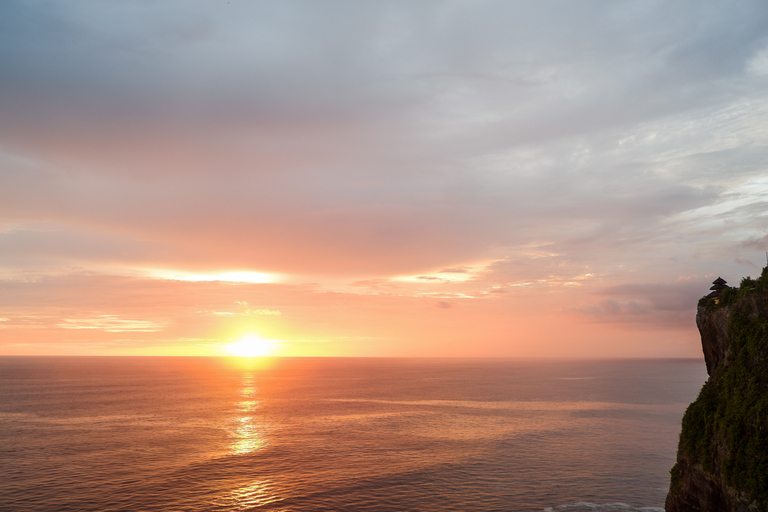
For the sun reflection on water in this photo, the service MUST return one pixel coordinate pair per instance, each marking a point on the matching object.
(248, 436)
(249, 405)
(248, 431)
(248, 497)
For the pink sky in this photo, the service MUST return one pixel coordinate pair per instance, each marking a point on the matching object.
(398, 179)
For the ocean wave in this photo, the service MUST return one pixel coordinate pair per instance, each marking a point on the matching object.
(584, 506)
(528, 405)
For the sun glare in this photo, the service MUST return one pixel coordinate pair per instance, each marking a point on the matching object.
(251, 346)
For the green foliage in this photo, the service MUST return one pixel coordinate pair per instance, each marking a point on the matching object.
(747, 287)
(727, 425)
(728, 296)
(676, 479)
(731, 295)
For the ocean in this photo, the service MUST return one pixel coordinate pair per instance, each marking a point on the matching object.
(339, 434)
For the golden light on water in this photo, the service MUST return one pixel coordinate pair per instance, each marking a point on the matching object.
(248, 428)
(249, 497)
(248, 435)
(251, 345)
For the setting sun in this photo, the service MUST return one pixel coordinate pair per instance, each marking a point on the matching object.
(251, 346)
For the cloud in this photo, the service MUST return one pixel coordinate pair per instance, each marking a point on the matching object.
(248, 311)
(455, 270)
(570, 148)
(748, 263)
(755, 243)
(111, 323)
(647, 305)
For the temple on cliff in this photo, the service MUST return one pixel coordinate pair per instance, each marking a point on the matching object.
(717, 285)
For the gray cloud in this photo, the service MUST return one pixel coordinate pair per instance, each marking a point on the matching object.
(383, 138)
(648, 305)
(756, 243)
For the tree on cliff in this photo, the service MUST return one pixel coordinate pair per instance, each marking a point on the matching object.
(722, 459)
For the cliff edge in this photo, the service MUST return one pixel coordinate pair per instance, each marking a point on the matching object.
(722, 457)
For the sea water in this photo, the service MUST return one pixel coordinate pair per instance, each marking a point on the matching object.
(199, 434)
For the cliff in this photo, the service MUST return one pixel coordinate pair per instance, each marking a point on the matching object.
(722, 458)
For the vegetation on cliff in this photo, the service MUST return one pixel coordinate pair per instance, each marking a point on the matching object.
(731, 295)
(726, 429)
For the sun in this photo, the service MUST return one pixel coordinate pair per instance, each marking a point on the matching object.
(251, 345)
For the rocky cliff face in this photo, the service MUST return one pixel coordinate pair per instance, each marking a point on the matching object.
(722, 459)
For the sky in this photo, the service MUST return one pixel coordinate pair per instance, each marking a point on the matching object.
(396, 178)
